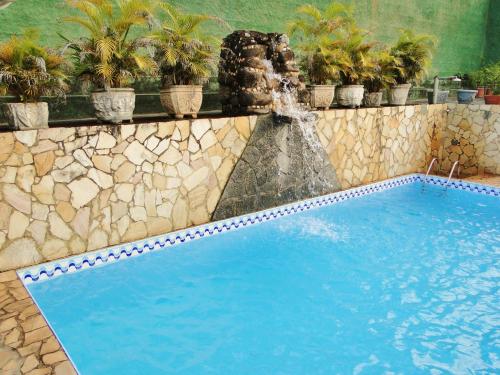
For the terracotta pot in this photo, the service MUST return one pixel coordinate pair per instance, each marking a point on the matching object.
(27, 115)
(321, 96)
(114, 105)
(398, 94)
(350, 95)
(488, 91)
(492, 99)
(466, 96)
(480, 92)
(373, 99)
(181, 100)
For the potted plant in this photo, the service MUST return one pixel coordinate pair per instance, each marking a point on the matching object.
(355, 67)
(478, 79)
(186, 56)
(29, 71)
(491, 74)
(111, 56)
(383, 78)
(413, 55)
(318, 39)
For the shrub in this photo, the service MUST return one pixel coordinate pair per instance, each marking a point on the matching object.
(109, 56)
(356, 62)
(29, 70)
(413, 55)
(319, 35)
(185, 54)
(383, 71)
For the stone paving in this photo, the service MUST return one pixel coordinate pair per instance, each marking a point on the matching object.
(27, 344)
(486, 179)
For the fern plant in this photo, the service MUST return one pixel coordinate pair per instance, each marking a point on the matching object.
(413, 55)
(109, 56)
(29, 70)
(185, 54)
(318, 34)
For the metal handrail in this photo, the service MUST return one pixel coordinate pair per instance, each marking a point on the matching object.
(427, 174)
(430, 167)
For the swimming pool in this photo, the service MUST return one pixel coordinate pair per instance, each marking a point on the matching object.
(387, 278)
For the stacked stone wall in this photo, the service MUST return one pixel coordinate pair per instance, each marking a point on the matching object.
(65, 191)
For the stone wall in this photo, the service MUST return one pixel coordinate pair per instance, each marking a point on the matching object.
(473, 138)
(70, 190)
(372, 144)
(65, 191)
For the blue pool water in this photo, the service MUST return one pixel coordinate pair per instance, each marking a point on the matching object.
(395, 282)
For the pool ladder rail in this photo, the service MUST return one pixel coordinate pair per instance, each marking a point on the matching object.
(433, 161)
(455, 165)
(427, 174)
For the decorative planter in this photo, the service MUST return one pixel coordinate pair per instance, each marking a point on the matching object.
(492, 99)
(373, 99)
(480, 92)
(466, 96)
(398, 94)
(488, 91)
(442, 97)
(350, 95)
(114, 105)
(27, 115)
(181, 100)
(321, 96)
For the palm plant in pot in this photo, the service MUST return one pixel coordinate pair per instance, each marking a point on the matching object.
(413, 55)
(29, 71)
(383, 77)
(317, 35)
(492, 73)
(356, 66)
(186, 57)
(109, 58)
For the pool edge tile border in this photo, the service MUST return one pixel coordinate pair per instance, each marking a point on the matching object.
(121, 252)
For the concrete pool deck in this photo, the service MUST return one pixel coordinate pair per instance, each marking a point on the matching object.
(28, 345)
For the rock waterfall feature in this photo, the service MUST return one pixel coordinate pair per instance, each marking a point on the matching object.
(284, 160)
(246, 56)
(277, 167)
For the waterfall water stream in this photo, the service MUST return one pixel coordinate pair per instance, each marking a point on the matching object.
(286, 104)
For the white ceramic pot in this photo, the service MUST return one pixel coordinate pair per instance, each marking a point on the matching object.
(398, 94)
(27, 115)
(181, 100)
(114, 105)
(350, 95)
(321, 96)
(373, 99)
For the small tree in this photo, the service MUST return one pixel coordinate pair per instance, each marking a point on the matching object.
(29, 70)
(318, 35)
(383, 71)
(109, 56)
(357, 63)
(413, 55)
(185, 54)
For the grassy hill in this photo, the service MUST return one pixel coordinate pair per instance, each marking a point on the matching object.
(460, 25)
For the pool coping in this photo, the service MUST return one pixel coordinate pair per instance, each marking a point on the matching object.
(109, 255)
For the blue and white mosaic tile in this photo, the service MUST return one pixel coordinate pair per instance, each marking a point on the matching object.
(122, 252)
